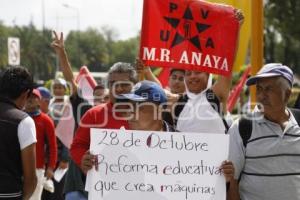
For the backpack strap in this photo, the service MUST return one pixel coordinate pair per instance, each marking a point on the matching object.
(216, 105)
(245, 125)
(245, 129)
(296, 113)
(179, 107)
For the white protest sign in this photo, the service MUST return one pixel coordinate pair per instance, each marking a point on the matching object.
(151, 165)
(13, 45)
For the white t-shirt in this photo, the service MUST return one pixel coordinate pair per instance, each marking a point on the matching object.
(26, 132)
(199, 116)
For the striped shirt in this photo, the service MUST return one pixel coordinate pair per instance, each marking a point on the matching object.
(269, 166)
(16, 195)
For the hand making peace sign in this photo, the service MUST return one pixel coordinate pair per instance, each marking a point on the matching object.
(58, 43)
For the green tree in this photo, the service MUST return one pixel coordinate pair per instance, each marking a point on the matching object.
(282, 32)
(96, 49)
(87, 48)
(4, 32)
(99, 49)
(36, 53)
(125, 51)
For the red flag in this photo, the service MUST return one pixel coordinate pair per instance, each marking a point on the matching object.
(163, 77)
(236, 91)
(189, 34)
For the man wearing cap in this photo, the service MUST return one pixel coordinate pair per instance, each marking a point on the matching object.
(45, 100)
(44, 132)
(267, 164)
(17, 132)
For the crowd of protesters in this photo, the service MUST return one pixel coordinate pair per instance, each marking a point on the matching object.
(263, 157)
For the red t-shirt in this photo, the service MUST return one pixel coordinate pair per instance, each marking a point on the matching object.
(45, 130)
(100, 116)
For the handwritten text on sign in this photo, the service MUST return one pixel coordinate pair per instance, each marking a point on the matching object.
(156, 165)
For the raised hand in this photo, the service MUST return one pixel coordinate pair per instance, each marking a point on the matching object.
(239, 16)
(59, 47)
(140, 69)
(58, 43)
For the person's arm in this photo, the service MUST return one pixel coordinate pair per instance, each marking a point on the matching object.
(50, 134)
(222, 86)
(58, 45)
(28, 163)
(64, 156)
(231, 184)
(81, 141)
(144, 72)
(237, 155)
(27, 140)
(80, 106)
(297, 103)
(233, 190)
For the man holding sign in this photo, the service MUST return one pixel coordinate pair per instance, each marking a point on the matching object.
(264, 145)
(144, 104)
(147, 100)
(121, 78)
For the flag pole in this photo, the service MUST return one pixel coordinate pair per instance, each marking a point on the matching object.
(257, 27)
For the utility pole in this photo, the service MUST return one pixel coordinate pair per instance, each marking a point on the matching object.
(78, 29)
(257, 41)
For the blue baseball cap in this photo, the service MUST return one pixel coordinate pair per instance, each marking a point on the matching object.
(272, 70)
(45, 93)
(145, 91)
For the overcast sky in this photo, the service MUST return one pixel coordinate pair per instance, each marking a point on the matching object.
(123, 15)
